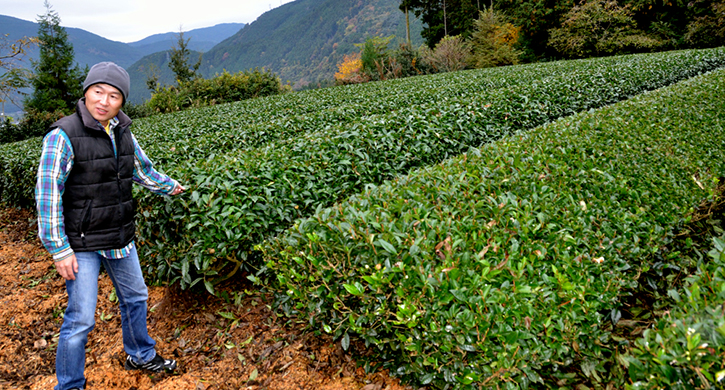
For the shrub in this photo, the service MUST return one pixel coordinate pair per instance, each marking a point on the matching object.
(373, 56)
(18, 166)
(597, 28)
(449, 55)
(493, 41)
(36, 123)
(685, 348)
(9, 132)
(136, 111)
(165, 100)
(409, 62)
(223, 88)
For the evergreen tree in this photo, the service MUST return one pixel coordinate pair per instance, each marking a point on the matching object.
(57, 82)
(179, 62)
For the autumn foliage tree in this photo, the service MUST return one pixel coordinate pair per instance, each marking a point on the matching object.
(349, 70)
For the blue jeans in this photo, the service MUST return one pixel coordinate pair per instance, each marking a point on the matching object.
(79, 317)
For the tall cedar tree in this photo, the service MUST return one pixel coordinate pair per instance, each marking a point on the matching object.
(444, 17)
(58, 82)
(179, 62)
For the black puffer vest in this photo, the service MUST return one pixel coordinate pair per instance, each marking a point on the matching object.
(98, 205)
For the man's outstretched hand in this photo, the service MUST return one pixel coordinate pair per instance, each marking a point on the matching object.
(178, 189)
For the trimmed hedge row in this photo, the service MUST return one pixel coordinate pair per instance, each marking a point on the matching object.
(240, 199)
(509, 266)
(244, 125)
(18, 167)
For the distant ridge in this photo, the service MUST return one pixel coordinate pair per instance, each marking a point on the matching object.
(90, 48)
(201, 39)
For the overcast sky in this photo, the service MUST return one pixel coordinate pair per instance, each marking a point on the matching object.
(133, 20)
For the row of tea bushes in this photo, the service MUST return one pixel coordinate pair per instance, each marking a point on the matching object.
(240, 199)
(685, 349)
(250, 124)
(254, 123)
(241, 126)
(509, 266)
(18, 167)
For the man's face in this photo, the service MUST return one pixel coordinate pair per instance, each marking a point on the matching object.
(103, 102)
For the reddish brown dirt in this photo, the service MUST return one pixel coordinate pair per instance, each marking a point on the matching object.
(233, 343)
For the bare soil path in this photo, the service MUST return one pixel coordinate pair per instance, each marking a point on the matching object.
(231, 341)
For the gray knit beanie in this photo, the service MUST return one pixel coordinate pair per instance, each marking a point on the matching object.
(111, 74)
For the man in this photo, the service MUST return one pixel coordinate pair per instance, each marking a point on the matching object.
(86, 218)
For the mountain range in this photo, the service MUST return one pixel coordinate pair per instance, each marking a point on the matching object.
(301, 41)
(201, 39)
(90, 48)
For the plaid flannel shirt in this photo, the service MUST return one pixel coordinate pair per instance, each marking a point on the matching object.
(56, 162)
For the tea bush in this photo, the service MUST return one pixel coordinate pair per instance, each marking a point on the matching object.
(685, 349)
(18, 165)
(509, 266)
(9, 132)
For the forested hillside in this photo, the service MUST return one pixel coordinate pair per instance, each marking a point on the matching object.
(303, 41)
(91, 48)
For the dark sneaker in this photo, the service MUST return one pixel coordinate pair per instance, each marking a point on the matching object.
(157, 364)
